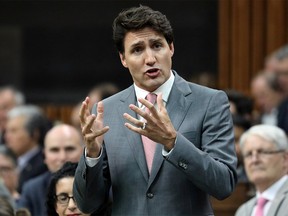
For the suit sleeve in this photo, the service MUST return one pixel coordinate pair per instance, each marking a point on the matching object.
(91, 185)
(211, 164)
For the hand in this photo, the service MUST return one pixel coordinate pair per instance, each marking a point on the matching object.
(159, 127)
(92, 128)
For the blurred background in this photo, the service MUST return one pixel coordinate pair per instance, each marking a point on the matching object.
(55, 51)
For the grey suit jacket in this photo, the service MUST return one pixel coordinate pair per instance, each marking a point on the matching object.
(279, 206)
(202, 163)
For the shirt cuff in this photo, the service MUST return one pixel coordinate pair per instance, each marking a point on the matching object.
(91, 162)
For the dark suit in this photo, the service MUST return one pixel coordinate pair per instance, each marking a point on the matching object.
(34, 194)
(202, 163)
(282, 117)
(34, 167)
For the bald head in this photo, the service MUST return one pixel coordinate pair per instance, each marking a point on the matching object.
(62, 143)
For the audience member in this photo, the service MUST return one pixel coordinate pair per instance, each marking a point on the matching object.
(6, 209)
(278, 63)
(60, 199)
(97, 93)
(4, 192)
(23, 212)
(240, 125)
(270, 100)
(265, 152)
(62, 143)
(25, 131)
(190, 126)
(9, 172)
(240, 104)
(9, 98)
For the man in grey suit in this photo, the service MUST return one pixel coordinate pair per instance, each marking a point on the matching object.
(190, 126)
(265, 152)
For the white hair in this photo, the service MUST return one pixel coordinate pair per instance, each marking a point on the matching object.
(270, 133)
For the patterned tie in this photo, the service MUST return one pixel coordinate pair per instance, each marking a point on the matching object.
(260, 206)
(149, 145)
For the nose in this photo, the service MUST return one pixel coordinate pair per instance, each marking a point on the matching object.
(254, 156)
(71, 204)
(62, 156)
(150, 58)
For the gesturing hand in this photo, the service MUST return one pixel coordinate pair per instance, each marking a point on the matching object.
(92, 128)
(158, 126)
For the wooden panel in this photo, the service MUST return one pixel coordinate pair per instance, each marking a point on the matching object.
(249, 30)
(228, 206)
(258, 49)
(224, 44)
(276, 24)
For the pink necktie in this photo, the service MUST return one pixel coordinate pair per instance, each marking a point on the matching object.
(149, 145)
(260, 206)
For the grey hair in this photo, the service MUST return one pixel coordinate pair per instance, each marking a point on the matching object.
(34, 119)
(270, 133)
(19, 97)
(281, 53)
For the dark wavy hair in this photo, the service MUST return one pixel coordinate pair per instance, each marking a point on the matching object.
(68, 170)
(137, 18)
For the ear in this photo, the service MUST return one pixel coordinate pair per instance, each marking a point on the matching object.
(171, 46)
(286, 160)
(123, 61)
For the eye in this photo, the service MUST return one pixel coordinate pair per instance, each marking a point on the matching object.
(62, 197)
(157, 45)
(70, 149)
(137, 50)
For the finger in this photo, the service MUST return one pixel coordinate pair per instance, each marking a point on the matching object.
(133, 120)
(139, 111)
(87, 127)
(83, 112)
(146, 103)
(134, 128)
(160, 102)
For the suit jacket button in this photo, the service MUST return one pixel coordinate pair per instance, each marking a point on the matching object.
(150, 195)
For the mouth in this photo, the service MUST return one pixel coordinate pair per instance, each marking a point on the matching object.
(153, 72)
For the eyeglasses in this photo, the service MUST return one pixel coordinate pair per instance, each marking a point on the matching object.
(64, 198)
(261, 153)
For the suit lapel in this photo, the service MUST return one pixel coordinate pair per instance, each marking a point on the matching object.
(177, 108)
(280, 196)
(133, 139)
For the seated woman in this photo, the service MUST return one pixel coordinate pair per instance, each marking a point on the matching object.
(60, 199)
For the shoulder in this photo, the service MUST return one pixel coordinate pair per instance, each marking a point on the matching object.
(246, 208)
(36, 182)
(196, 89)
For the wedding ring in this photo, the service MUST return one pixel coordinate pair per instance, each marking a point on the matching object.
(143, 126)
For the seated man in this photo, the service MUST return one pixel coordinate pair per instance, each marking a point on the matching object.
(62, 143)
(264, 149)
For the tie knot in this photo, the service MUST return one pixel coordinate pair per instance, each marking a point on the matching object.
(151, 97)
(262, 201)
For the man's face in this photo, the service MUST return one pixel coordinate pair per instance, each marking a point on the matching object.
(8, 172)
(281, 69)
(60, 148)
(263, 169)
(148, 57)
(265, 98)
(17, 137)
(7, 102)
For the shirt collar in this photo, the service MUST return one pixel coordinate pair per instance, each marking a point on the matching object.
(271, 192)
(23, 159)
(165, 88)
